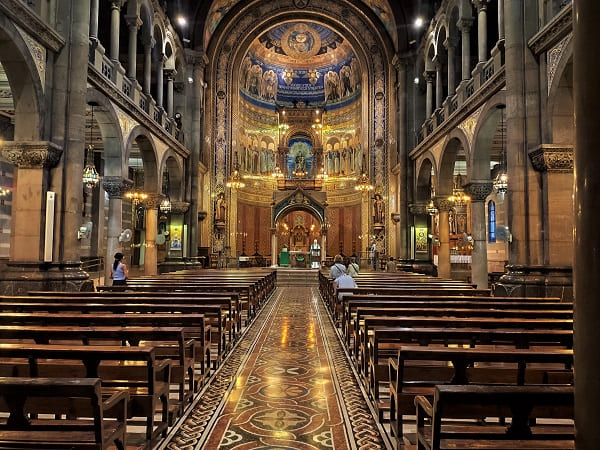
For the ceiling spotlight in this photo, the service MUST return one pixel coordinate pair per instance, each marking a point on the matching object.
(416, 80)
(181, 21)
(419, 22)
(190, 80)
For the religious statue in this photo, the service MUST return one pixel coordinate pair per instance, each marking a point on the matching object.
(221, 209)
(315, 255)
(378, 210)
(300, 163)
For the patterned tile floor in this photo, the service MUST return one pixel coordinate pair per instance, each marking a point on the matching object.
(286, 385)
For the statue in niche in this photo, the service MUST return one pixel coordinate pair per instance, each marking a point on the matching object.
(378, 210)
(452, 221)
(221, 209)
(300, 162)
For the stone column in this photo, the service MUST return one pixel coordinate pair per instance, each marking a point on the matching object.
(274, 247)
(465, 28)
(479, 192)
(160, 65)
(115, 25)
(115, 187)
(32, 159)
(134, 23)
(429, 77)
(170, 74)
(444, 205)
(151, 258)
(500, 20)
(94, 21)
(439, 85)
(148, 66)
(323, 247)
(403, 185)
(481, 30)
(450, 44)
(586, 88)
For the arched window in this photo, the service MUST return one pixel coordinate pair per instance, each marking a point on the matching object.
(491, 221)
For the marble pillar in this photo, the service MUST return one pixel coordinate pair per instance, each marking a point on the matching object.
(148, 66)
(444, 205)
(274, 250)
(134, 23)
(479, 192)
(464, 25)
(429, 78)
(115, 187)
(482, 52)
(115, 26)
(151, 257)
(323, 247)
(500, 20)
(401, 65)
(586, 89)
(439, 85)
(170, 75)
(160, 66)
(94, 4)
(450, 45)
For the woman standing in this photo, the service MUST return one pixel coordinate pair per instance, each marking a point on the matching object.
(119, 271)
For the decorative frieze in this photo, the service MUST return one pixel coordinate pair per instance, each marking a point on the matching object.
(553, 32)
(552, 158)
(31, 154)
(479, 190)
(116, 186)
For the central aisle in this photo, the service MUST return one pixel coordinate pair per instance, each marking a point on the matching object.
(287, 384)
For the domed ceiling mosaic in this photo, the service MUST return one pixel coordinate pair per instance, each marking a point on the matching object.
(220, 8)
(300, 62)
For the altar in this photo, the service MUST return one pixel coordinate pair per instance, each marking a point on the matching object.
(298, 258)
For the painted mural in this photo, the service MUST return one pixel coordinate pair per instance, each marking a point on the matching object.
(298, 42)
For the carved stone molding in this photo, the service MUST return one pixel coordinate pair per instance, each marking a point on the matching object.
(153, 201)
(202, 215)
(28, 20)
(443, 204)
(552, 158)
(553, 32)
(116, 186)
(479, 190)
(196, 57)
(178, 207)
(396, 217)
(418, 209)
(31, 154)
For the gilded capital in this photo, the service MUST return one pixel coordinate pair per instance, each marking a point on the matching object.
(178, 207)
(153, 201)
(552, 158)
(443, 204)
(479, 190)
(31, 154)
(116, 186)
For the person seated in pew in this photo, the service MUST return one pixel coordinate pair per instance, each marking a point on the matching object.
(119, 271)
(338, 268)
(391, 265)
(353, 267)
(343, 281)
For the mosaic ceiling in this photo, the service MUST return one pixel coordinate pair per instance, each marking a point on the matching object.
(220, 8)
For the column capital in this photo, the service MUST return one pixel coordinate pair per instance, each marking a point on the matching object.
(170, 74)
(479, 190)
(443, 204)
(417, 209)
(116, 186)
(401, 62)
(450, 42)
(116, 4)
(552, 158)
(481, 5)
(179, 207)
(464, 24)
(196, 57)
(31, 154)
(429, 76)
(153, 201)
(133, 21)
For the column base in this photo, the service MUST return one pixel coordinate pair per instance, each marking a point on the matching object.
(18, 278)
(536, 281)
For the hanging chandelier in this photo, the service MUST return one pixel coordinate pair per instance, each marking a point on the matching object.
(90, 176)
(235, 181)
(136, 196)
(165, 205)
(363, 183)
(458, 197)
(500, 182)
(431, 209)
(277, 173)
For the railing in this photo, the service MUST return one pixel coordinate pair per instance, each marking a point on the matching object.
(95, 268)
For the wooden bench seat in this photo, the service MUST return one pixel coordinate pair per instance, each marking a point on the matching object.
(417, 369)
(88, 426)
(521, 403)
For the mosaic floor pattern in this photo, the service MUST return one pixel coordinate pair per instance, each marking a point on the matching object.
(287, 384)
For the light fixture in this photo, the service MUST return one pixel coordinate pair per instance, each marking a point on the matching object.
(235, 181)
(277, 173)
(416, 80)
(458, 197)
(419, 22)
(190, 80)
(500, 182)
(431, 209)
(181, 21)
(136, 196)
(363, 184)
(322, 175)
(90, 176)
(165, 205)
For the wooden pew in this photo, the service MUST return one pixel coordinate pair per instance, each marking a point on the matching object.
(87, 427)
(407, 381)
(147, 384)
(522, 403)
